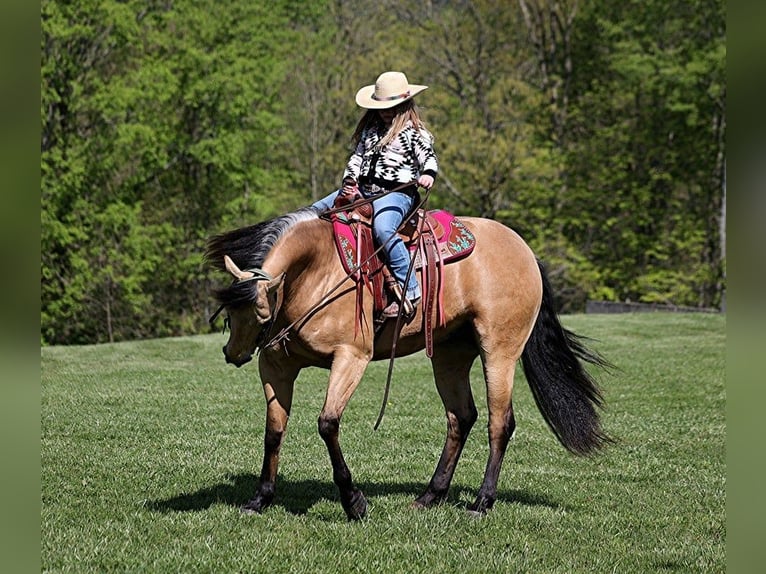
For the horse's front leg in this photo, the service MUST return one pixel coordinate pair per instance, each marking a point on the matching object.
(278, 381)
(347, 369)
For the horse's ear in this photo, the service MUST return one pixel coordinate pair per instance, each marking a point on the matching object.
(270, 294)
(232, 268)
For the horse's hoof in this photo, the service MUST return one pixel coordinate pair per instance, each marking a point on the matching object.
(357, 506)
(428, 500)
(480, 506)
(254, 506)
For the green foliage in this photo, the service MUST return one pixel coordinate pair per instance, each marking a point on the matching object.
(597, 130)
(645, 174)
(165, 115)
(149, 447)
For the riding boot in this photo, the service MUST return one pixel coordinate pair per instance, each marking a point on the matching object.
(392, 310)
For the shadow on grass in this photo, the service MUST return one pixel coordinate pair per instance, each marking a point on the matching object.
(297, 497)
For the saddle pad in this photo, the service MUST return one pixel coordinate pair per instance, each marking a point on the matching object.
(455, 242)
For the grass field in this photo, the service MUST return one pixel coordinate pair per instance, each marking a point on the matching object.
(148, 449)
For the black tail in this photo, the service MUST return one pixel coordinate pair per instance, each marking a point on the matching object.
(565, 393)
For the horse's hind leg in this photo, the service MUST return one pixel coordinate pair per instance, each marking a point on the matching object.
(498, 371)
(278, 382)
(451, 365)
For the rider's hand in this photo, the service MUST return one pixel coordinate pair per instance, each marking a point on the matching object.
(348, 189)
(425, 181)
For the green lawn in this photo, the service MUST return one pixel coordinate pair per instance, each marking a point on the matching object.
(148, 449)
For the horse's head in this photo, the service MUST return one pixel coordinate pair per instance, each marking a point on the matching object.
(251, 304)
(253, 300)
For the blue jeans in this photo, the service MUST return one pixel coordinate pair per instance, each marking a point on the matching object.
(388, 213)
(326, 202)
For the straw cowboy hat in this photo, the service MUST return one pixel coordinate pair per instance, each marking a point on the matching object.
(389, 90)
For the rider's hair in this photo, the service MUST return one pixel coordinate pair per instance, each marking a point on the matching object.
(407, 111)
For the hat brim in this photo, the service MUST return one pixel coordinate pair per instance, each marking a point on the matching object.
(365, 100)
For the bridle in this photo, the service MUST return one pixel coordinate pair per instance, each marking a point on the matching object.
(257, 275)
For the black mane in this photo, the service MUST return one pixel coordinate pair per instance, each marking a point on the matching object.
(248, 248)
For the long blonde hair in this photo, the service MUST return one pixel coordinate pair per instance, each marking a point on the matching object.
(408, 111)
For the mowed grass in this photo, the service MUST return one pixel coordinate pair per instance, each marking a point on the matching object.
(149, 448)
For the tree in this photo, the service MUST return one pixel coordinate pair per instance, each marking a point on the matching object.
(481, 105)
(175, 107)
(596, 130)
(646, 155)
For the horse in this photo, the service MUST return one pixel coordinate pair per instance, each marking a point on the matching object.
(498, 306)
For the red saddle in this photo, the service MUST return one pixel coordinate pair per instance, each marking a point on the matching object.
(434, 239)
(452, 237)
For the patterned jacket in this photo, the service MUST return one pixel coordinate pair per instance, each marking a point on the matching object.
(408, 156)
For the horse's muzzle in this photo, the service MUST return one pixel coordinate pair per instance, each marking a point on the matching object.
(237, 362)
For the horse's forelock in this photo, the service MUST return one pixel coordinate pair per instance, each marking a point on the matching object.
(237, 294)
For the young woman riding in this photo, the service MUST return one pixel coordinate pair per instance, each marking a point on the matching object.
(393, 147)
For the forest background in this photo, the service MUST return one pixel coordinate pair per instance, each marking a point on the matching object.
(595, 129)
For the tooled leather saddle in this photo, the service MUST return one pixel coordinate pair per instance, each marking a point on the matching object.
(434, 239)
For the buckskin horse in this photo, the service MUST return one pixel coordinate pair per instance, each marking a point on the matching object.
(497, 305)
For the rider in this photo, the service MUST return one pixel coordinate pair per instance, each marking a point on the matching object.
(392, 147)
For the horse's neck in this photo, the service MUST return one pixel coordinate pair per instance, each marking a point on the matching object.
(304, 248)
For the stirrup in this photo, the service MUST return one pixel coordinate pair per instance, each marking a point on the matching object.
(392, 310)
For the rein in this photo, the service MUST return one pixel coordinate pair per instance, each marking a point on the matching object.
(398, 327)
(364, 201)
